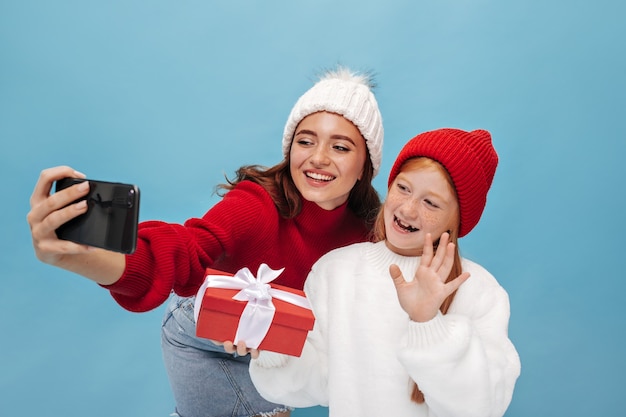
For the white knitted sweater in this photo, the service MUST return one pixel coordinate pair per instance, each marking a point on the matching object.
(363, 351)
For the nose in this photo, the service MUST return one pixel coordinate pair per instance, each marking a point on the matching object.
(320, 156)
(410, 208)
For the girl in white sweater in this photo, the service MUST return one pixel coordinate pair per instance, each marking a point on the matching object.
(405, 326)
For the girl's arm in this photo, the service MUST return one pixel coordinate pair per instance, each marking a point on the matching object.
(463, 361)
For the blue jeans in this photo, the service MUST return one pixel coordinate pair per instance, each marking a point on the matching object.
(206, 381)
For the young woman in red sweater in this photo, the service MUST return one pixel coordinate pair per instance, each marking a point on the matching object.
(319, 198)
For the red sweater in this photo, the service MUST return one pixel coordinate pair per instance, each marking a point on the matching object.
(244, 229)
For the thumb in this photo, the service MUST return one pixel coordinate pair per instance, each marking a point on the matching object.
(396, 274)
(456, 282)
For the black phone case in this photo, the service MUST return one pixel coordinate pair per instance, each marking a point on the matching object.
(111, 219)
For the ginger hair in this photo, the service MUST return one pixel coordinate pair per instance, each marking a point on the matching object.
(379, 234)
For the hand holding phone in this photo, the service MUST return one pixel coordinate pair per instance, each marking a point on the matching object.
(111, 219)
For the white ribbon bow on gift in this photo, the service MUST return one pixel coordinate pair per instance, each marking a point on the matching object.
(258, 314)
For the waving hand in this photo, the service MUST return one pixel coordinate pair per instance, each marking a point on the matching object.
(422, 297)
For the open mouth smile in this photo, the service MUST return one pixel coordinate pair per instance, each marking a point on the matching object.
(403, 226)
(319, 177)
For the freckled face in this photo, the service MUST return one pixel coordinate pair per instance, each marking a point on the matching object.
(419, 201)
(327, 157)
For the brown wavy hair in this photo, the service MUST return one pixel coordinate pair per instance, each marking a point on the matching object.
(363, 199)
(380, 234)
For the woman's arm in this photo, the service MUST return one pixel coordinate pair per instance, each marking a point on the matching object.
(168, 256)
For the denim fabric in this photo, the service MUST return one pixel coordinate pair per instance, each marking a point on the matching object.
(206, 381)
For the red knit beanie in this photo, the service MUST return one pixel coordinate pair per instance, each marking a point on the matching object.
(469, 158)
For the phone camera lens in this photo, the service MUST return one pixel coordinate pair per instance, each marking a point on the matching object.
(131, 198)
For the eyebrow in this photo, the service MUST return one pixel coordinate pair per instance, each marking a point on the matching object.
(312, 133)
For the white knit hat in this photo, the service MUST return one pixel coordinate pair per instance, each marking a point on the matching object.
(348, 94)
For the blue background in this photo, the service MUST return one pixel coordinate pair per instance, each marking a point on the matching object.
(173, 95)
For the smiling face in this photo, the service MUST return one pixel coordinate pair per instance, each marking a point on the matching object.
(327, 157)
(421, 200)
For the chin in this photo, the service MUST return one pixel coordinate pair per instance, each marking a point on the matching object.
(402, 247)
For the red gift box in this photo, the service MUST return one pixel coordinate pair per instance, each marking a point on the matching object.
(219, 315)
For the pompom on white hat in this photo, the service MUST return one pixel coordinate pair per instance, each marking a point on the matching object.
(348, 94)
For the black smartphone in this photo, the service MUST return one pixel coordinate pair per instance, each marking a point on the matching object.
(111, 219)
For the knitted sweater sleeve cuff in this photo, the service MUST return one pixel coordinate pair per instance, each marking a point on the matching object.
(269, 359)
(440, 339)
(429, 333)
(137, 292)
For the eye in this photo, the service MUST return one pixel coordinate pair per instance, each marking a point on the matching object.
(304, 142)
(430, 203)
(341, 148)
(402, 187)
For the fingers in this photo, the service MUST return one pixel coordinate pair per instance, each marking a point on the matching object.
(448, 261)
(43, 220)
(441, 252)
(427, 250)
(240, 349)
(454, 285)
(47, 177)
(396, 275)
(52, 245)
(51, 211)
(229, 347)
(42, 203)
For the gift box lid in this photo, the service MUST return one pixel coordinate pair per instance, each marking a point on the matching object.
(287, 314)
